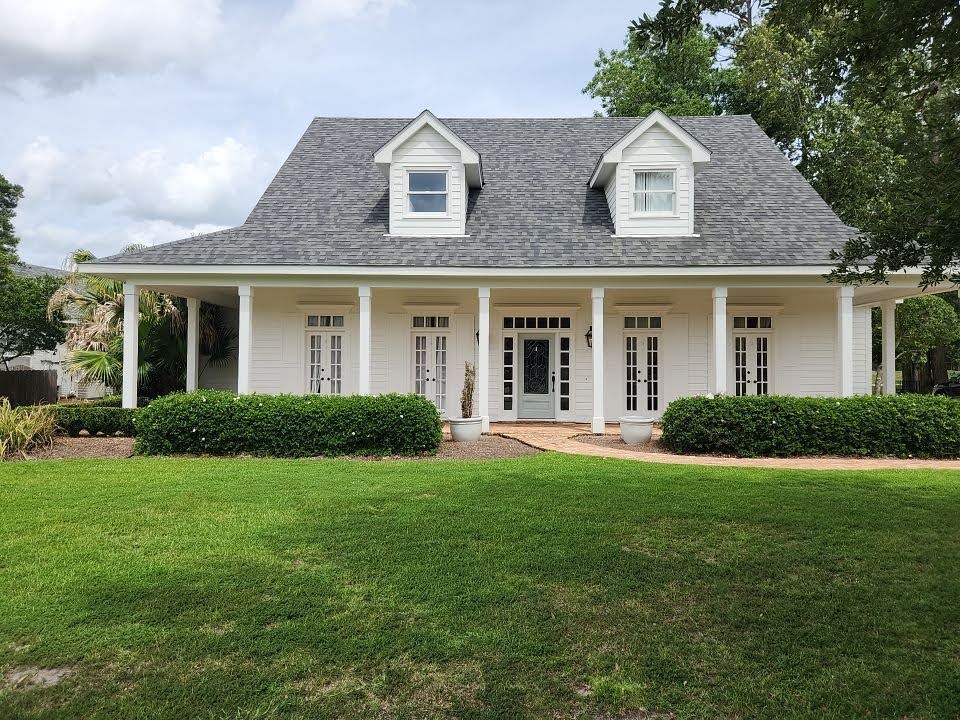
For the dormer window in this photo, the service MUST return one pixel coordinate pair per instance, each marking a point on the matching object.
(655, 192)
(427, 192)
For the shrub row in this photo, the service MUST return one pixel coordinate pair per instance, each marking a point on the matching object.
(74, 417)
(922, 426)
(219, 423)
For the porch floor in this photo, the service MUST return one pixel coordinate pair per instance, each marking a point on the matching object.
(562, 437)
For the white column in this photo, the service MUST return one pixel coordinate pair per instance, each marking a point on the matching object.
(483, 357)
(244, 339)
(131, 343)
(845, 339)
(193, 343)
(599, 422)
(720, 341)
(363, 346)
(888, 313)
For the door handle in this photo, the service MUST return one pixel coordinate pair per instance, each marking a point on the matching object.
(553, 381)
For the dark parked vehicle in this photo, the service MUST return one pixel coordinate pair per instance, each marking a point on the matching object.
(951, 387)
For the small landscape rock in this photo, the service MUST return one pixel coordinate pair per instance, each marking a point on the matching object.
(118, 433)
(84, 433)
(100, 433)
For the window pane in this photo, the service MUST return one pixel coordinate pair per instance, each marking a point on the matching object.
(428, 203)
(541, 322)
(659, 180)
(531, 323)
(508, 356)
(508, 323)
(324, 321)
(564, 343)
(508, 373)
(655, 322)
(739, 322)
(428, 181)
(766, 322)
(443, 321)
(629, 322)
(431, 320)
(418, 321)
(338, 320)
(564, 322)
(642, 323)
(518, 322)
(313, 321)
(752, 322)
(508, 343)
(659, 202)
(554, 322)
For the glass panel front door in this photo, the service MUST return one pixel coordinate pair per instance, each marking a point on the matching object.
(325, 363)
(751, 365)
(537, 377)
(642, 363)
(430, 368)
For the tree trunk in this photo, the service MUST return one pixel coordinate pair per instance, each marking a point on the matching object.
(924, 383)
(937, 359)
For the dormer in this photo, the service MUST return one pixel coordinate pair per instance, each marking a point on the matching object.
(430, 171)
(648, 177)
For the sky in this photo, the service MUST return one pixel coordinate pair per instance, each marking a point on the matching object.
(138, 121)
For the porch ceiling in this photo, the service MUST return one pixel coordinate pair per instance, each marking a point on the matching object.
(225, 296)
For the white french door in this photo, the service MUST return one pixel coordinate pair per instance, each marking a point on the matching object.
(325, 363)
(751, 364)
(430, 367)
(642, 355)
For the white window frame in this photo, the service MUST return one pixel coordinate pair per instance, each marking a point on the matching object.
(637, 169)
(408, 212)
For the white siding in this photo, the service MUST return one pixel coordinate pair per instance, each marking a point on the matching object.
(804, 342)
(862, 350)
(655, 149)
(426, 148)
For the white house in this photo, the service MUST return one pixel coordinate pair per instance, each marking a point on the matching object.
(591, 267)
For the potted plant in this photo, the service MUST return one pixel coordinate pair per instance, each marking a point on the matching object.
(636, 430)
(467, 428)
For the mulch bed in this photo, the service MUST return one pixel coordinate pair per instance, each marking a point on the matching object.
(615, 441)
(490, 447)
(75, 448)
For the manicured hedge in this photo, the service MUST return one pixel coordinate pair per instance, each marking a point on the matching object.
(73, 417)
(212, 422)
(779, 426)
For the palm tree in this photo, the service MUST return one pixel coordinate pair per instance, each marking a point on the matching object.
(93, 306)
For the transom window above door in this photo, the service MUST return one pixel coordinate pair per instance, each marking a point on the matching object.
(431, 321)
(642, 322)
(752, 322)
(654, 192)
(536, 323)
(427, 192)
(318, 321)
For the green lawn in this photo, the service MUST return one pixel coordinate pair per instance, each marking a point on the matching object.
(547, 586)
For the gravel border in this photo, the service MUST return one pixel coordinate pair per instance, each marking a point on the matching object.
(489, 447)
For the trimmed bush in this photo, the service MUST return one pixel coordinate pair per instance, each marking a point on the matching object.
(923, 426)
(73, 417)
(210, 422)
(106, 401)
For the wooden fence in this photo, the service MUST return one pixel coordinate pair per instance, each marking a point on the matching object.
(29, 387)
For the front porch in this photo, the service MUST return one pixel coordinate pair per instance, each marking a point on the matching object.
(564, 354)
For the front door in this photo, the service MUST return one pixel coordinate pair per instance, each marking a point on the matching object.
(642, 356)
(537, 377)
(430, 368)
(751, 365)
(325, 363)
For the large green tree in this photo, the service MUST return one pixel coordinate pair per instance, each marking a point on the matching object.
(679, 78)
(10, 195)
(25, 325)
(866, 97)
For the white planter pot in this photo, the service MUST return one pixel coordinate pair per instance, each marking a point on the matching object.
(636, 430)
(466, 429)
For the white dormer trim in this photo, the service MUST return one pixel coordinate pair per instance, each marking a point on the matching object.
(383, 156)
(608, 161)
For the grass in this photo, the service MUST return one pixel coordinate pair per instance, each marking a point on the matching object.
(547, 586)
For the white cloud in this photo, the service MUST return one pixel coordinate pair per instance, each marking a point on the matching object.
(61, 43)
(219, 186)
(318, 12)
(50, 243)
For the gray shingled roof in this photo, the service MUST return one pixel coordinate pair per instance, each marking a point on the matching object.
(27, 270)
(327, 206)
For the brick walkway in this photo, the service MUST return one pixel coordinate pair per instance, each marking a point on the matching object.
(561, 437)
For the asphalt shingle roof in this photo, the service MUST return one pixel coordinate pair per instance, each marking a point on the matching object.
(27, 270)
(327, 206)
